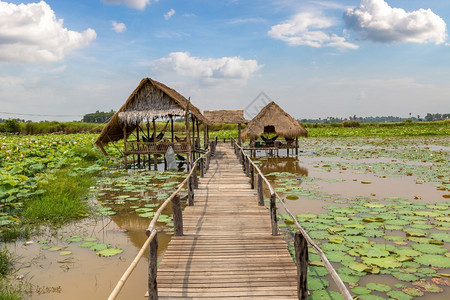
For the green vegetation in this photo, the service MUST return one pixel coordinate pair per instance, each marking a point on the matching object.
(46, 127)
(98, 117)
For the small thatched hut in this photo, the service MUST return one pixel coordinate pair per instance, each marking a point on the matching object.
(272, 119)
(227, 117)
(151, 100)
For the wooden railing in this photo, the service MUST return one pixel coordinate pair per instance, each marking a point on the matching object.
(153, 148)
(301, 239)
(191, 180)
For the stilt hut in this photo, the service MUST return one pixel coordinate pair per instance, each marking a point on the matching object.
(227, 117)
(273, 120)
(135, 123)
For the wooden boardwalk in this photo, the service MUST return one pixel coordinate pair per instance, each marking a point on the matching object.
(227, 249)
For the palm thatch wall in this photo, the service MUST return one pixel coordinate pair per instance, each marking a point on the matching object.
(273, 115)
(150, 100)
(225, 116)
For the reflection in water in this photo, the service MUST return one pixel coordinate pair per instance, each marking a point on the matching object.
(285, 164)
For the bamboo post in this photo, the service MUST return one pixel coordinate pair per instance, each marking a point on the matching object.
(208, 160)
(260, 190)
(239, 134)
(125, 146)
(138, 140)
(301, 256)
(177, 216)
(188, 135)
(273, 214)
(152, 269)
(296, 146)
(190, 192)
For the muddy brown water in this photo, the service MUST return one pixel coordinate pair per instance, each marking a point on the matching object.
(84, 275)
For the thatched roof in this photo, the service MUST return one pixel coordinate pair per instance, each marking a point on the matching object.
(225, 116)
(273, 115)
(151, 99)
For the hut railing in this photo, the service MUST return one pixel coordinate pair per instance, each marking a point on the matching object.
(151, 147)
(201, 163)
(302, 239)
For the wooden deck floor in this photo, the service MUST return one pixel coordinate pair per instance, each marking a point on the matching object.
(227, 249)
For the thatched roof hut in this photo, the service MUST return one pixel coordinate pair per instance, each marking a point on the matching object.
(150, 100)
(225, 116)
(273, 118)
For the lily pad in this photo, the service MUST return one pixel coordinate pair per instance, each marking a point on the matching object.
(415, 292)
(361, 290)
(405, 276)
(428, 287)
(326, 295)
(380, 287)
(429, 249)
(382, 262)
(66, 252)
(292, 197)
(100, 247)
(438, 261)
(315, 283)
(399, 295)
(109, 252)
(74, 238)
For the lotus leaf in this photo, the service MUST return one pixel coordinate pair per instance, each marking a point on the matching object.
(407, 252)
(349, 278)
(380, 287)
(109, 252)
(54, 249)
(361, 290)
(66, 252)
(90, 239)
(399, 295)
(394, 238)
(100, 247)
(318, 271)
(441, 236)
(438, 261)
(443, 219)
(334, 247)
(336, 239)
(415, 292)
(319, 234)
(429, 249)
(359, 267)
(326, 295)
(46, 247)
(397, 222)
(315, 283)
(415, 232)
(428, 287)
(74, 238)
(405, 276)
(370, 297)
(88, 244)
(292, 197)
(382, 262)
(357, 239)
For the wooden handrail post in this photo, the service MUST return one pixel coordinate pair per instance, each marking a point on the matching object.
(301, 256)
(273, 214)
(208, 159)
(259, 182)
(152, 269)
(177, 216)
(194, 177)
(252, 177)
(190, 192)
(202, 167)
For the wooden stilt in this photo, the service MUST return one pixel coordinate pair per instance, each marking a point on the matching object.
(137, 137)
(152, 269)
(301, 257)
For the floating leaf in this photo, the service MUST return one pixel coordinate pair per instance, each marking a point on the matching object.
(292, 197)
(100, 247)
(415, 292)
(361, 290)
(66, 252)
(380, 287)
(326, 295)
(74, 238)
(109, 252)
(54, 249)
(88, 244)
(399, 295)
(382, 262)
(428, 287)
(405, 276)
(315, 283)
(438, 261)
(429, 249)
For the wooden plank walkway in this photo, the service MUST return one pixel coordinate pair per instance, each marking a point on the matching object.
(227, 249)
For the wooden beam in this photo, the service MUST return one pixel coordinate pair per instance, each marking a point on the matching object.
(152, 269)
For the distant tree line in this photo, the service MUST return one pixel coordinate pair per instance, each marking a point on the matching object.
(385, 119)
(98, 117)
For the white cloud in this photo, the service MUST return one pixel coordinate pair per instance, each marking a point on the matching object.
(308, 29)
(118, 27)
(207, 70)
(169, 14)
(138, 4)
(31, 33)
(375, 20)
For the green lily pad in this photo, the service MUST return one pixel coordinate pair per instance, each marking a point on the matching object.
(74, 238)
(405, 276)
(90, 239)
(429, 249)
(109, 252)
(358, 267)
(399, 295)
(66, 252)
(292, 197)
(408, 252)
(441, 236)
(382, 262)
(380, 287)
(361, 290)
(428, 287)
(438, 261)
(326, 295)
(315, 283)
(54, 249)
(88, 244)
(100, 247)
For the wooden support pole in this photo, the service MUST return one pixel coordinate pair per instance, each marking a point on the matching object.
(138, 140)
(190, 192)
(171, 127)
(239, 134)
(260, 190)
(273, 214)
(194, 177)
(152, 269)
(125, 146)
(202, 167)
(252, 176)
(296, 146)
(301, 257)
(177, 216)
(148, 140)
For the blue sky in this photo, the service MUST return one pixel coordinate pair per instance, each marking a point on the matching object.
(314, 58)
